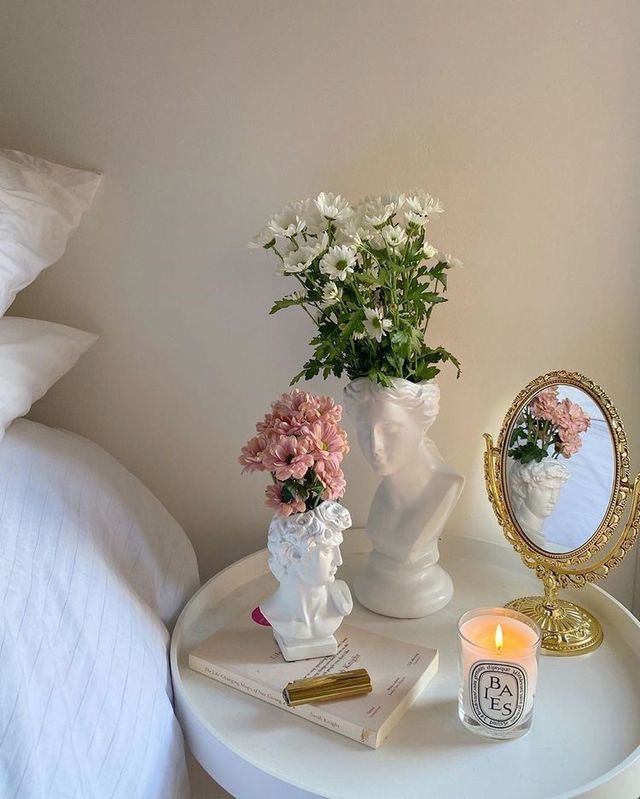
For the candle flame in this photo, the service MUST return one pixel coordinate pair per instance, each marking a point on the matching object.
(499, 638)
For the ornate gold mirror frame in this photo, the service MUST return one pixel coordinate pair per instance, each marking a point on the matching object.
(567, 628)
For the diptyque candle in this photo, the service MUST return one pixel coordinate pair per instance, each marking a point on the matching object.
(498, 659)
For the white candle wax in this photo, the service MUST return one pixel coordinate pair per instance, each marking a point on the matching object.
(499, 668)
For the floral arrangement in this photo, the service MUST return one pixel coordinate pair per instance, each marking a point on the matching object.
(548, 427)
(369, 280)
(302, 444)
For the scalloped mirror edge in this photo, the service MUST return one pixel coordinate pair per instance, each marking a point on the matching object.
(567, 628)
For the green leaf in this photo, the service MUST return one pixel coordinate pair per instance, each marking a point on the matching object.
(426, 372)
(370, 280)
(285, 302)
(287, 493)
(352, 325)
(401, 337)
(376, 376)
(431, 297)
(298, 377)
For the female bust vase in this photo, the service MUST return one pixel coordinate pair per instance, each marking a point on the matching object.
(417, 493)
(309, 604)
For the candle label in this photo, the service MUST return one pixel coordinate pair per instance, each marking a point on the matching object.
(498, 693)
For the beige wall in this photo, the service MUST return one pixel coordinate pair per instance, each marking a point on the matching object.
(206, 116)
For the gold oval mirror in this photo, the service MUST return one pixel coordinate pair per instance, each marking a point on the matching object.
(558, 481)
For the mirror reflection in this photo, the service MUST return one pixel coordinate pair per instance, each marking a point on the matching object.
(560, 468)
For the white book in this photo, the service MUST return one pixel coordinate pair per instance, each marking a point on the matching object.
(244, 655)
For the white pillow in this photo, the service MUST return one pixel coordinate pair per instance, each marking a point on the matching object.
(41, 205)
(33, 355)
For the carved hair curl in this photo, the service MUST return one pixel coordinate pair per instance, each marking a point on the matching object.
(422, 397)
(550, 474)
(292, 537)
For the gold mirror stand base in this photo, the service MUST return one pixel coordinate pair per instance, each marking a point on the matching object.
(567, 629)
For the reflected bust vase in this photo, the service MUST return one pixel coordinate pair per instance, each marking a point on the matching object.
(535, 489)
(416, 495)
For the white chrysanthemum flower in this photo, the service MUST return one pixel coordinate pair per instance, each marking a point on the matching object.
(333, 207)
(331, 294)
(373, 212)
(394, 199)
(394, 235)
(429, 250)
(360, 238)
(316, 223)
(346, 235)
(338, 262)
(288, 222)
(321, 244)
(262, 240)
(299, 260)
(376, 241)
(357, 335)
(411, 218)
(423, 204)
(286, 246)
(301, 294)
(447, 258)
(375, 325)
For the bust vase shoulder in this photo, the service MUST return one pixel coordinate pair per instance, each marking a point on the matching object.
(418, 491)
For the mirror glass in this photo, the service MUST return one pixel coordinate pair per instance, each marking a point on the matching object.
(560, 468)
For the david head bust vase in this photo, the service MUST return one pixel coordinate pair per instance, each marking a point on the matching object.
(309, 604)
(416, 495)
(535, 488)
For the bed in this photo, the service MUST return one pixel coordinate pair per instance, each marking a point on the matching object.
(93, 572)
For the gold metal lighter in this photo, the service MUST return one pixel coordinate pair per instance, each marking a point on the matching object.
(330, 686)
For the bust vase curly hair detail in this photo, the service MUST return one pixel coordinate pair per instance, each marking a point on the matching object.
(416, 495)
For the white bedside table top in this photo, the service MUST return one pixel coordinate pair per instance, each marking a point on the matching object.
(585, 739)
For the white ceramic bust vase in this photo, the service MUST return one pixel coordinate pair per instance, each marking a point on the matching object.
(310, 603)
(534, 489)
(417, 493)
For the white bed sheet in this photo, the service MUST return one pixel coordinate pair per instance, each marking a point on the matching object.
(93, 572)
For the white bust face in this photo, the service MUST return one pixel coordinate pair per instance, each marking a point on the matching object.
(541, 499)
(390, 435)
(319, 565)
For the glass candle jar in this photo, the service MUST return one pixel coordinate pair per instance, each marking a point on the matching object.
(498, 657)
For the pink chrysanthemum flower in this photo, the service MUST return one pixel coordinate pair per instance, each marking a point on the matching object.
(253, 453)
(288, 457)
(329, 445)
(334, 483)
(277, 504)
(572, 417)
(301, 443)
(545, 405)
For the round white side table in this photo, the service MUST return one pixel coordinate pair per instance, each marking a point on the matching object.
(585, 740)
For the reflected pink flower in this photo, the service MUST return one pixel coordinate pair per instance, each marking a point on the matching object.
(571, 443)
(572, 417)
(545, 404)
